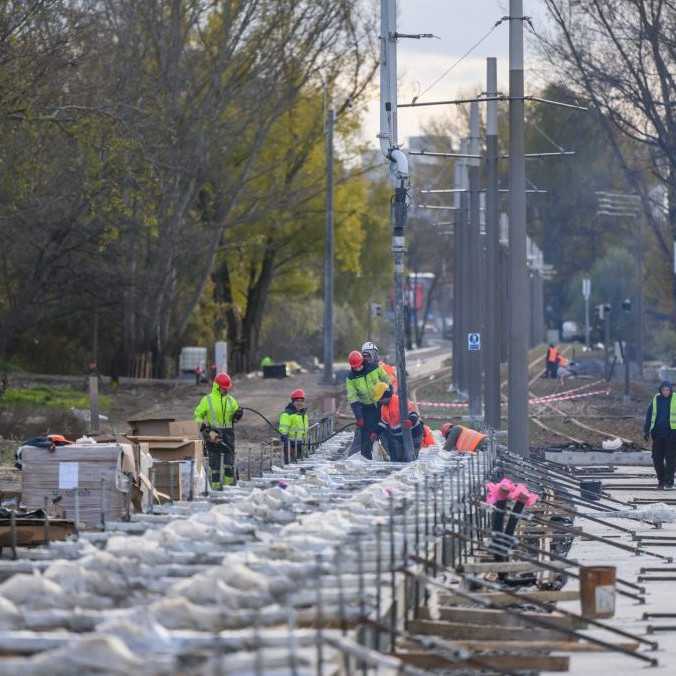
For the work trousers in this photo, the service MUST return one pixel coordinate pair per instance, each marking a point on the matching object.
(394, 443)
(293, 449)
(664, 459)
(552, 369)
(362, 441)
(224, 449)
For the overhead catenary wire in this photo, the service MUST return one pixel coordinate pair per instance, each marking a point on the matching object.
(460, 60)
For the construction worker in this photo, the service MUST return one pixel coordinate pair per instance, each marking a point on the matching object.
(370, 353)
(660, 424)
(217, 413)
(390, 425)
(552, 361)
(462, 439)
(361, 380)
(293, 427)
(428, 438)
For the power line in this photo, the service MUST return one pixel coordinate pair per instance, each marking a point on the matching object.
(460, 60)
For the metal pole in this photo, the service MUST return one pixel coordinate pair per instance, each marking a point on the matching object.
(518, 277)
(328, 252)
(640, 323)
(492, 323)
(459, 232)
(606, 340)
(587, 327)
(465, 271)
(474, 316)
(399, 171)
(94, 404)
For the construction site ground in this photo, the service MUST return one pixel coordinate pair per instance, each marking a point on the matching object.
(587, 419)
(141, 398)
(659, 597)
(592, 420)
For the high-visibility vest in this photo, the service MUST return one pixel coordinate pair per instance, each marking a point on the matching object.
(389, 413)
(391, 372)
(468, 440)
(672, 413)
(428, 437)
(552, 354)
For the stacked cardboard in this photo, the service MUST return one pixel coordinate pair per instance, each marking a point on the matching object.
(154, 425)
(175, 479)
(176, 452)
(96, 470)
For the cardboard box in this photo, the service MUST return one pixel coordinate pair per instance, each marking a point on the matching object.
(171, 449)
(163, 426)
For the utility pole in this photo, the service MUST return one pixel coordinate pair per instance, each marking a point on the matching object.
(492, 323)
(459, 231)
(518, 277)
(400, 175)
(474, 277)
(328, 252)
(604, 316)
(640, 317)
(465, 270)
(586, 294)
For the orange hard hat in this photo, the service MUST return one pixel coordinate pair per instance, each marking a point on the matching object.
(224, 381)
(355, 359)
(445, 429)
(58, 439)
(298, 394)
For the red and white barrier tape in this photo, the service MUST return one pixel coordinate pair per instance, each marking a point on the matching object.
(538, 400)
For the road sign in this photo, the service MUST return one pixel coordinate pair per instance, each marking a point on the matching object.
(473, 342)
(586, 288)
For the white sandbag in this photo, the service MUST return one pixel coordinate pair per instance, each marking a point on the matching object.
(658, 512)
(612, 444)
(34, 591)
(140, 632)
(88, 655)
(10, 617)
(145, 549)
(179, 613)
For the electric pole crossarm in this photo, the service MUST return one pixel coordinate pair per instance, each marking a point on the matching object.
(453, 155)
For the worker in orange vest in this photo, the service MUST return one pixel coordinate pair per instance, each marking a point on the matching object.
(428, 438)
(462, 439)
(390, 425)
(552, 358)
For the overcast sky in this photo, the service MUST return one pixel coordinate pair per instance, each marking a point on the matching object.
(459, 24)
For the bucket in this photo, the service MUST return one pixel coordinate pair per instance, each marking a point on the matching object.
(597, 591)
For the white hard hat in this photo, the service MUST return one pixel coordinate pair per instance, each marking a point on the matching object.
(368, 346)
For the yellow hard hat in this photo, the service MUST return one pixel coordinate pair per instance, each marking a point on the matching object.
(379, 390)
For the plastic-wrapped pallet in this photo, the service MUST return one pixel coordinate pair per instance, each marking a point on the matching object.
(95, 469)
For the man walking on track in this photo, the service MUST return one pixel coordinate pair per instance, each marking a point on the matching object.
(552, 361)
(660, 424)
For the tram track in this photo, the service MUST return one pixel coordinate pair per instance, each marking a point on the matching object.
(555, 410)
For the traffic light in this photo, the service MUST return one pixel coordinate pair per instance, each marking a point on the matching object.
(603, 309)
(626, 304)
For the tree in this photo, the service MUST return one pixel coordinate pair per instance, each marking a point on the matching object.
(134, 136)
(621, 55)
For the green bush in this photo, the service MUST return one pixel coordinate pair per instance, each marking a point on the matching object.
(663, 345)
(51, 397)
